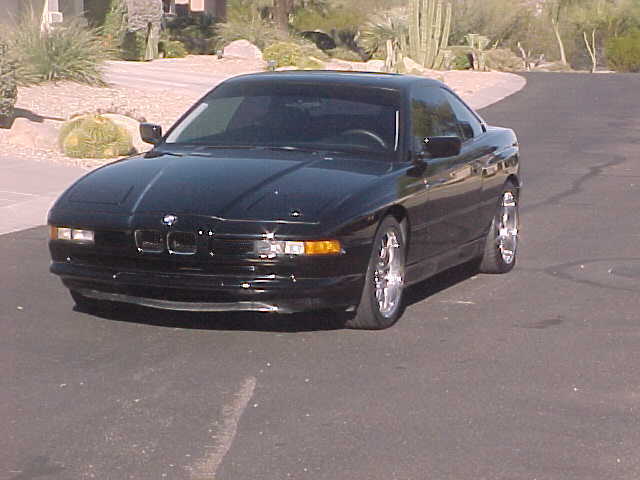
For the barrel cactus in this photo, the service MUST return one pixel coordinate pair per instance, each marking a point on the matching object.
(94, 136)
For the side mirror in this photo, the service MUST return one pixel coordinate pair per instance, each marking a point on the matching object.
(150, 133)
(440, 147)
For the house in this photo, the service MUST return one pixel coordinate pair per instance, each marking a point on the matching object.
(215, 8)
(52, 11)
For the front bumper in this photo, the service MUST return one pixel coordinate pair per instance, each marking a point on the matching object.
(212, 292)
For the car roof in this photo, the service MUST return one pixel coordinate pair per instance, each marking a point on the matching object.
(366, 79)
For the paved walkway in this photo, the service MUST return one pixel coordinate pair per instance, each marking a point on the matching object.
(28, 189)
(160, 76)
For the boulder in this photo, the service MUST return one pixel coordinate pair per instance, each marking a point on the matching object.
(375, 65)
(243, 49)
(40, 135)
(133, 127)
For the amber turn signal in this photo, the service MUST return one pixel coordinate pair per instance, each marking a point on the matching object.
(322, 247)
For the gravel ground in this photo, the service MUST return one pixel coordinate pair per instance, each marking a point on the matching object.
(56, 102)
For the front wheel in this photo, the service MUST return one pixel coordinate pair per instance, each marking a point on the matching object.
(381, 300)
(501, 246)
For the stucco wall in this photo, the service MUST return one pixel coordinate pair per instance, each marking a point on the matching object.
(143, 12)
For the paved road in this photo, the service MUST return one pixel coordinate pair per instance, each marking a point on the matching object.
(532, 375)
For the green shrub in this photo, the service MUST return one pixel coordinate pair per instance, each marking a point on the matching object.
(327, 20)
(114, 27)
(289, 54)
(8, 87)
(461, 62)
(173, 49)
(94, 136)
(197, 33)
(309, 49)
(310, 64)
(285, 54)
(69, 51)
(623, 53)
(258, 31)
(503, 59)
(344, 54)
(134, 46)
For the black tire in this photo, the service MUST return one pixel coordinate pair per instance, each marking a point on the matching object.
(369, 314)
(496, 257)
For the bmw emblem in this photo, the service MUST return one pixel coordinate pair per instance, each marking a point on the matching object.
(169, 220)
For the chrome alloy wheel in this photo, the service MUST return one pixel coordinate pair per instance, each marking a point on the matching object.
(507, 225)
(389, 275)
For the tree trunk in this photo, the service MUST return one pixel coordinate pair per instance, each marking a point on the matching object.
(556, 30)
(281, 10)
(591, 49)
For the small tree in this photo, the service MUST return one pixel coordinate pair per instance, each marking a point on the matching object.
(8, 87)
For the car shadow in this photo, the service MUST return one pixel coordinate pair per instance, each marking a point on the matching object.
(233, 321)
(433, 285)
(322, 320)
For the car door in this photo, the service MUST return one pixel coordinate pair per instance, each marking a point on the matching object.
(453, 183)
(477, 154)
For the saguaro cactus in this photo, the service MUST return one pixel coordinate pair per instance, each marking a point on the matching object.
(429, 32)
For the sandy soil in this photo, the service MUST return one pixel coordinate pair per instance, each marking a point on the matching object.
(54, 103)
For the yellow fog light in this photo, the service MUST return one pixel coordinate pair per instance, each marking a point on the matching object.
(322, 247)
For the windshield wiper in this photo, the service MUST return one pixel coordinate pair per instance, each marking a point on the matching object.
(230, 147)
(160, 153)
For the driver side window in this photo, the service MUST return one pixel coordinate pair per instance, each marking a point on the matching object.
(470, 126)
(431, 116)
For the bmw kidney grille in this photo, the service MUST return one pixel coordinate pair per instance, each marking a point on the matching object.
(149, 241)
(181, 243)
(178, 243)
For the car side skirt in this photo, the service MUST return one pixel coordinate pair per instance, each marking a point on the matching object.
(431, 266)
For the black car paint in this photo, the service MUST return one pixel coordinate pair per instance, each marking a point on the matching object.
(446, 205)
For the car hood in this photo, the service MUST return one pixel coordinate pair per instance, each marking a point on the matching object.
(289, 186)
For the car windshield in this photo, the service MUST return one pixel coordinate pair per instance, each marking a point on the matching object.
(293, 116)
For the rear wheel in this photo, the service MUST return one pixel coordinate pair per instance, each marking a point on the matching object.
(501, 246)
(381, 300)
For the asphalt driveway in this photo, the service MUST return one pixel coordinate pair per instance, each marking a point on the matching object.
(530, 375)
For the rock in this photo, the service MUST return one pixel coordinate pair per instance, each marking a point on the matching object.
(40, 135)
(243, 49)
(132, 126)
(375, 65)
(411, 65)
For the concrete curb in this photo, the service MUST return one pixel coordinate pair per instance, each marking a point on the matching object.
(484, 97)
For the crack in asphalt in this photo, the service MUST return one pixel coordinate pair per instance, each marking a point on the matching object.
(560, 271)
(577, 184)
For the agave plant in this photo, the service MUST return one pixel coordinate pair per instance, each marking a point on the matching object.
(70, 51)
(380, 29)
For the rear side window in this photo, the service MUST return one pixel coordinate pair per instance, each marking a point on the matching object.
(431, 115)
(470, 126)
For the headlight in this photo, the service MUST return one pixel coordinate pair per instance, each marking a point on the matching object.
(71, 234)
(273, 248)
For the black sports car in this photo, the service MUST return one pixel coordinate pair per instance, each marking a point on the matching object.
(283, 192)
